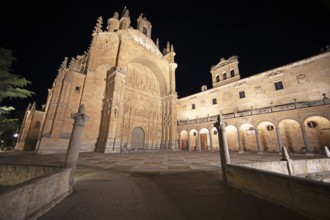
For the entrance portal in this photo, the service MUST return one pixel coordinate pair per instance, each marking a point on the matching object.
(203, 138)
(137, 140)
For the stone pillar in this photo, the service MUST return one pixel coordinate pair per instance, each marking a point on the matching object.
(75, 142)
(240, 144)
(259, 145)
(326, 151)
(304, 134)
(198, 147)
(279, 140)
(211, 143)
(285, 157)
(223, 145)
(189, 142)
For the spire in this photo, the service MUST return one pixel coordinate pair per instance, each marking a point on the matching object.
(98, 26)
(172, 48)
(168, 47)
(125, 12)
(157, 43)
(64, 63)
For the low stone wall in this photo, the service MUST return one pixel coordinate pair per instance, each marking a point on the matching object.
(32, 198)
(308, 197)
(15, 174)
(299, 166)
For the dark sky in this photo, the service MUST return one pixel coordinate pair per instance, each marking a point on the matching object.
(263, 34)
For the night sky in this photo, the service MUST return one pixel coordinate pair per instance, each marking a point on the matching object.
(263, 34)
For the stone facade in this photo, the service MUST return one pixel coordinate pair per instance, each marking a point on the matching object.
(128, 88)
(283, 106)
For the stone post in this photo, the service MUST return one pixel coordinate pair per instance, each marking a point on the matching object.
(285, 157)
(75, 142)
(223, 145)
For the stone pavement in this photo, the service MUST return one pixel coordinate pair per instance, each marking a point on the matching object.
(155, 185)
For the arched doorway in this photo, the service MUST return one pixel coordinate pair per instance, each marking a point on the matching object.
(204, 139)
(137, 138)
(291, 135)
(183, 140)
(318, 132)
(268, 136)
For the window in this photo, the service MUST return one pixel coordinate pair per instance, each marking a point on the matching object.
(232, 73)
(77, 89)
(203, 102)
(193, 106)
(224, 75)
(214, 101)
(241, 94)
(312, 124)
(217, 78)
(145, 30)
(270, 127)
(278, 85)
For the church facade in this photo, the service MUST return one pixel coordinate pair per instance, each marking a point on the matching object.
(129, 91)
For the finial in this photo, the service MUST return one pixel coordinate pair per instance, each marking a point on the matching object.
(172, 48)
(64, 63)
(168, 47)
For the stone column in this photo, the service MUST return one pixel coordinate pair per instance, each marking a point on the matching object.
(189, 142)
(259, 145)
(240, 144)
(223, 145)
(75, 142)
(211, 143)
(198, 147)
(279, 140)
(304, 134)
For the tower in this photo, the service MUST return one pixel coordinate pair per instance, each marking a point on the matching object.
(226, 71)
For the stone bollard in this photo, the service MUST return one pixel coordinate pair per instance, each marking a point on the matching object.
(75, 142)
(285, 157)
(326, 151)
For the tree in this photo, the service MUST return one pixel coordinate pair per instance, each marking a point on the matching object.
(11, 86)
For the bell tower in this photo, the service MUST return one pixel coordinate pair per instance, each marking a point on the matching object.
(226, 71)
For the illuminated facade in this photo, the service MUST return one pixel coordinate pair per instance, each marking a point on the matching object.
(128, 88)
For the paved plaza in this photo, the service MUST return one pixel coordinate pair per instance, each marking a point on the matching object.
(155, 185)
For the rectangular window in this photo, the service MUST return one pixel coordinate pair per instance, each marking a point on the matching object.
(278, 85)
(241, 94)
(193, 106)
(77, 89)
(214, 101)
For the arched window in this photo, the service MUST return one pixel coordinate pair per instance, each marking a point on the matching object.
(232, 73)
(224, 75)
(217, 78)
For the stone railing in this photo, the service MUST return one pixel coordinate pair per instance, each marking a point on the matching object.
(266, 110)
(32, 198)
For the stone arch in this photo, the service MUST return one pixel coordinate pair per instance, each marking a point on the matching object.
(268, 138)
(137, 138)
(157, 72)
(248, 137)
(318, 132)
(231, 133)
(204, 138)
(183, 145)
(291, 135)
(192, 139)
